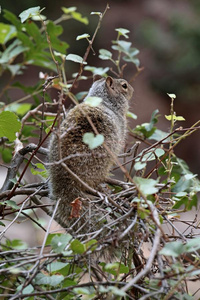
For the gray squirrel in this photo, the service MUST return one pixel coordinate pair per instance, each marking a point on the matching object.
(66, 147)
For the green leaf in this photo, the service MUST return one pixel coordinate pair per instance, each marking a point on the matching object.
(97, 71)
(77, 247)
(181, 194)
(173, 249)
(39, 17)
(159, 135)
(17, 244)
(15, 69)
(177, 248)
(183, 201)
(12, 19)
(186, 201)
(174, 117)
(169, 117)
(23, 108)
(71, 11)
(96, 13)
(78, 17)
(116, 268)
(180, 166)
(59, 242)
(130, 53)
(15, 271)
(92, 245)
(27, 290)
(68, 281)
(7, 32)
(2, 224)
(83, 291)
(123, 31)
(180, 118)
(63, 56)
(50, 237)
(93, 141)
(184, 183)
(20, 109)
(190, 176)
(9, 125)
(193, 202)
(54, 31)
(81, 95)
(6, 154)
(147, 129)
(131, 115)
(56, 266)
(11, 204)
(76, 58)
(172, 96)
(93, 101)
(28, 131)
(122, 46)
(116, 291)
(53, 280)
(194, 273)
(159, 152)
(146, 186)
(105, 54)
(82, 36)
(192, 245)
(13, 180)
(154, 117)
(139, 166)
(43, 171)
(28, 13)
(149, 156)
(68, 10)
(33, 31)
(12, 51)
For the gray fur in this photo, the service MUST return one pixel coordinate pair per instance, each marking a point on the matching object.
(91, 166)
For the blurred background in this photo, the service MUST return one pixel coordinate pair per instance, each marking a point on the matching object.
(166, 32)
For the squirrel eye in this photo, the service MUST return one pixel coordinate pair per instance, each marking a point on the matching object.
(124, 85)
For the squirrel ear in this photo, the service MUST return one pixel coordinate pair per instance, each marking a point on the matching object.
(109, 81)
(96, 77)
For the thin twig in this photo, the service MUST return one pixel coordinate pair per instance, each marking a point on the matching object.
(153, 253)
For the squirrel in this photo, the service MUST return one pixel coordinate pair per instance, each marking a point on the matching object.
(92, 166)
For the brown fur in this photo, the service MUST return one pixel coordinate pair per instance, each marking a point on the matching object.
(91, 166)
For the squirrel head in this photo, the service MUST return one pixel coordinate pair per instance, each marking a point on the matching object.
(115, 87)
(119, 86)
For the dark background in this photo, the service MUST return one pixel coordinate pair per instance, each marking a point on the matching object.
(167, 33)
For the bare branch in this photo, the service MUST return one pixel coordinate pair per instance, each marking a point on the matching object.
(153, 254)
